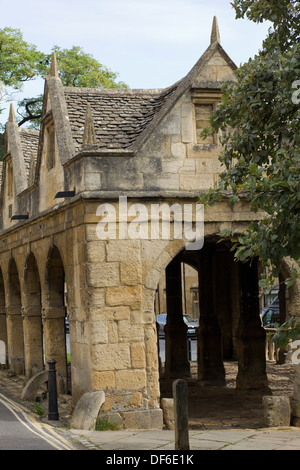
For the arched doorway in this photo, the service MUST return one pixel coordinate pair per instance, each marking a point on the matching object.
(15, 336)
(3, 326)
(229, 329)
(55, 318)
(33, 326)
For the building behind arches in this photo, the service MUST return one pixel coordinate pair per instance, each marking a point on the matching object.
(95, 146)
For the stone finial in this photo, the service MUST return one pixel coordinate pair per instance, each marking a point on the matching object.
(89, 135)
(53, 68)
(215, 33)
(12, 116)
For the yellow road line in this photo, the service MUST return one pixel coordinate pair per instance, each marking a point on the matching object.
(48, 433)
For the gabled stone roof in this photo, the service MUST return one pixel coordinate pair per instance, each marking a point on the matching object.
(119, 115)
(30, 143)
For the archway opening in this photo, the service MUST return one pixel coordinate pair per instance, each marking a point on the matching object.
(230, 338)
(33, 325)
(3, 326)
(15, 334)
(55, 325)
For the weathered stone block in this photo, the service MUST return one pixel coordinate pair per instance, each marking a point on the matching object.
(167, 405)
(103, 274)
(277, 411)
(170, 125)
(95, 251)
(131, 273)
(103, 380)
(98, 332)
(178, 150)
(196, 182)
(123, 250)
(137, 351)
(187, 124)
(113, 357)
(130, 332)
(124, 295)
(130, 379)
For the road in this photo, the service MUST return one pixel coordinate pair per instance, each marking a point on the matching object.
(20, 431)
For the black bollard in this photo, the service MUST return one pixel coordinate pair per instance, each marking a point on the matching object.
(181, 415)
(52, 392)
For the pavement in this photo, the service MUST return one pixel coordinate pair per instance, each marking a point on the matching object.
(154, 442)
(164, 440)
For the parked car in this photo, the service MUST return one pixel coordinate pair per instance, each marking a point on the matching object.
(270, 319)
(274, 305)
(270, 314)
(191, 323)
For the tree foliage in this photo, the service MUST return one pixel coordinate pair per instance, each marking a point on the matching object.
(79, 69)
(259, 126)
(21, 62)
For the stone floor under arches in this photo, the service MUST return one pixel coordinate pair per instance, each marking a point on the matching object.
(224, 408)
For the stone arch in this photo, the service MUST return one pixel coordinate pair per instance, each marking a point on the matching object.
(3, 326)
(55, 278)
(15, 334)
(54, 312)
(33, 326)
(215, 264)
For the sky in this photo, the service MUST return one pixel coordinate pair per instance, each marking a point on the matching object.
(149, 43)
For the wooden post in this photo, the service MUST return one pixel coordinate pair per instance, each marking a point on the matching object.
(181, 415)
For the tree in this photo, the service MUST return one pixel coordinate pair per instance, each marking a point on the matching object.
(79, 69)
(259, 126)
(20, 62)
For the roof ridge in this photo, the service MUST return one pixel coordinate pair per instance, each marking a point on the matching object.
(29, 131)
(114, 91)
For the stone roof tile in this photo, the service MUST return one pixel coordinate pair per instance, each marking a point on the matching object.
(30, 142)
(119, 115)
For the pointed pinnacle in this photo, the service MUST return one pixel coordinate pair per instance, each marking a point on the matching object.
(12, 116)
(215, 34)
(53, 68)
(89, 135)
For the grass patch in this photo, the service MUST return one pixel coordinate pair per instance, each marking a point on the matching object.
(38, 409)
(102, 424)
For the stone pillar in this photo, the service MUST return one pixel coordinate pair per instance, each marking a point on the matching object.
(33, 340)
(282, 314)
(224, 262)
(176, 361)
(3, 330)
(55, 343)
(209, 338)
(15, 340)
(251, 335)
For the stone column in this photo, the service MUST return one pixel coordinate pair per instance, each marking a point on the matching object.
(33, 340)
(251, 335)
(224, 262)
(282, 313)
(209, 338)
(3, 331)
(15, 340)
(176, 362)
(55, 343)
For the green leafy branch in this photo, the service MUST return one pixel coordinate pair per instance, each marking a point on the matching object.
(287, 332)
